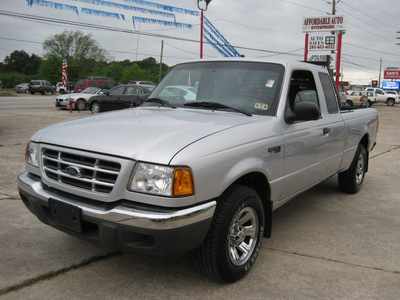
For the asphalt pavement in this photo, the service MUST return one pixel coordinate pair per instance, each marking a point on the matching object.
(324, 245)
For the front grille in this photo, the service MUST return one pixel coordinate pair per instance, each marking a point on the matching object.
(82, 171)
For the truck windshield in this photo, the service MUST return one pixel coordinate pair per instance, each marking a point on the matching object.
(248, 87)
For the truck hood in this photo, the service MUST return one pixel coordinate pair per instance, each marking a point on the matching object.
(141, 132)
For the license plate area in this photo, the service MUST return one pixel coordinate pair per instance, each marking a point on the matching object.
(66, 215)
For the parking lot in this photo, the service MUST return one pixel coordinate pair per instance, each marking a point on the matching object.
(324, 245)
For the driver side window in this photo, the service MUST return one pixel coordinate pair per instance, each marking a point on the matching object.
(302, 88)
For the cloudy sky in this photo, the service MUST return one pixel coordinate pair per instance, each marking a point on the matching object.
(256, 28)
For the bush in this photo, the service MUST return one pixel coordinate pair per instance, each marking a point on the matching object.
(11, 79)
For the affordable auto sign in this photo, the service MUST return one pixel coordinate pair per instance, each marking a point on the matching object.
(326, 23)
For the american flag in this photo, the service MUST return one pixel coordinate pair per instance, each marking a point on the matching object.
(64, 72)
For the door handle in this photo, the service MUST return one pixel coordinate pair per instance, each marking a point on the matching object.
(326, 130)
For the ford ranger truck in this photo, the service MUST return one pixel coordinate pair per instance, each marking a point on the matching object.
(180, 174)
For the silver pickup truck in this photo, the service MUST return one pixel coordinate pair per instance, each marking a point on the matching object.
(201, 165)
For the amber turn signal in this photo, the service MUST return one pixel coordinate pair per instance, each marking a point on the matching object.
(183, 184)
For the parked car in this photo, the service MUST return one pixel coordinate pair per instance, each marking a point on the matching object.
(22, 88)
(142, 82)
(389, 97)
(119, 97)
(167, 178)
(189, 93)
(60, 88)
(63, 101)
(41, 86)
(357, 98)
(104, 84)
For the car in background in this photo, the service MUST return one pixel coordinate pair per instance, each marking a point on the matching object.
(357, 98)
(384, 96)
(41, 86)
(142, 82)
(120, 97)
(63, 101)
(22, 88)
(60, 88)
(100, 82)
(189, 93)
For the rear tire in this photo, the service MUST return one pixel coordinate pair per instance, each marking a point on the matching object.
(350, 181)
(235, 236)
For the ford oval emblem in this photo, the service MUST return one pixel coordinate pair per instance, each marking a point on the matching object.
(73, 171)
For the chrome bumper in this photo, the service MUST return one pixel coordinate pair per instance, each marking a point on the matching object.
(120, 214)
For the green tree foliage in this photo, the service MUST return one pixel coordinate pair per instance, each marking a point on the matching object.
(51, 69)
(84, 58)
(20, 61)
(74, 44)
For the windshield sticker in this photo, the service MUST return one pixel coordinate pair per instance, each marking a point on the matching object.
(261, 106)
(270, 83)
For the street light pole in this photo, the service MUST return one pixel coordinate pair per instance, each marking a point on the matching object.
(200, 5)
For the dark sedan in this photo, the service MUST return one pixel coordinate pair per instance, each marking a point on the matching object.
(119, 97)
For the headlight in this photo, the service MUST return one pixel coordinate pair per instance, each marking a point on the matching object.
(162, 180)
(32, 154)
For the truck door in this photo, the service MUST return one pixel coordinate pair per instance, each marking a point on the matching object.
(313, 149)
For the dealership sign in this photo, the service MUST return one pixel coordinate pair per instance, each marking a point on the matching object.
(322, 42)
(325, 23)
(391, 74)
(315, 56)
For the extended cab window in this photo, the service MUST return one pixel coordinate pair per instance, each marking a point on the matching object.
(329, 92)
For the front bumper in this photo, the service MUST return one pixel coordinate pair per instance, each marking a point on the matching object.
(122, 226)
(61, 103)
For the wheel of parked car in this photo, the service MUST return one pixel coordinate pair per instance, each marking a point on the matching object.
(80, 105)
(349, 102)
(350, 181)
(95, 107)
(234, 240)
(390, 102)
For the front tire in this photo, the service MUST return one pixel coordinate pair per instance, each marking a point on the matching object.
(80, 106)
(95, 107)
(350, 181)
(235, 236)
(390, 102)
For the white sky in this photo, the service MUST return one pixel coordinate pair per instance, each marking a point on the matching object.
(273, 27)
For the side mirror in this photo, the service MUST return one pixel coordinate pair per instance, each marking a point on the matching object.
(303, 111)
(106, 93)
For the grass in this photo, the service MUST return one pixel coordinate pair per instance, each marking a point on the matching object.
(6, 92)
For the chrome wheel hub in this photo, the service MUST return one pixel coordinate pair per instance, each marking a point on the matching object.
(242, 236)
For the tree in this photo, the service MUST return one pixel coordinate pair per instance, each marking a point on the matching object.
(20, 61)
(51, 69)
(74, 44)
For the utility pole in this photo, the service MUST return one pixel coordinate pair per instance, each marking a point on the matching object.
(161, 55)
(380, 71)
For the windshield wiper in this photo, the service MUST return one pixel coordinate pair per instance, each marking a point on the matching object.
(216, 105)
(160, 101)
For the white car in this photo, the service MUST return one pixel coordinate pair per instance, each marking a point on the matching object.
(384, 96)
(187, 92)
(63, 101)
